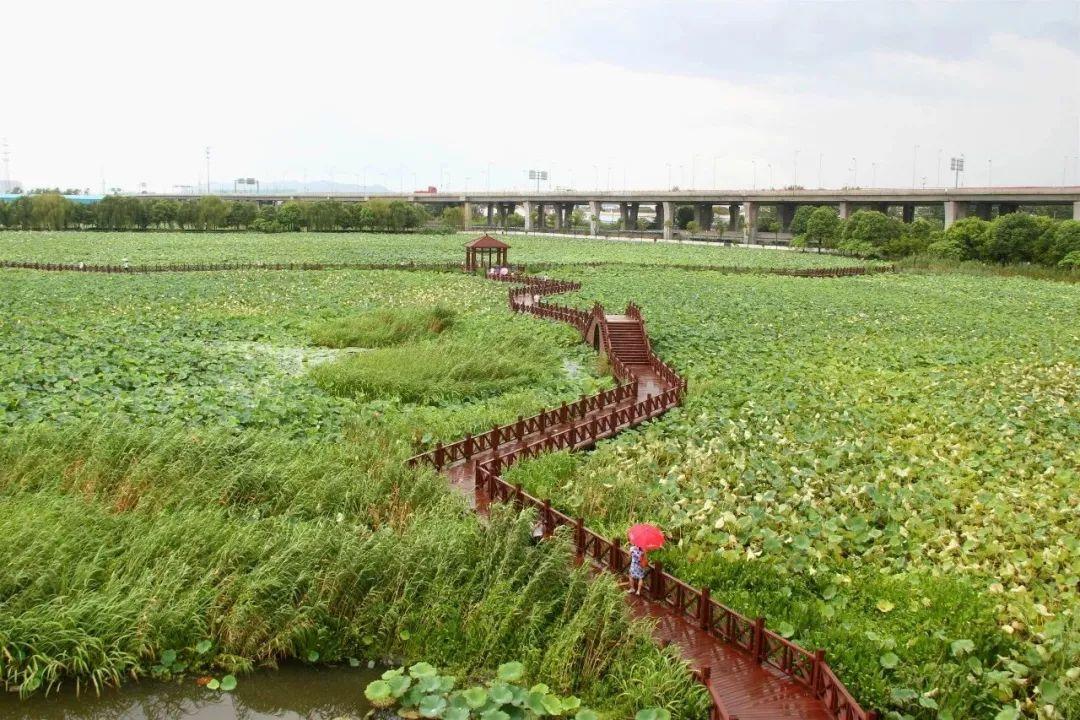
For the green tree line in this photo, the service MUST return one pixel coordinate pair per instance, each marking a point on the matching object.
(1013, 238)
(52, 211)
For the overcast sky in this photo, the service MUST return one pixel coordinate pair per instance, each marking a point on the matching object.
(634, 94)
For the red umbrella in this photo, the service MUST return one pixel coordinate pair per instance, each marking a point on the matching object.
(646, 537)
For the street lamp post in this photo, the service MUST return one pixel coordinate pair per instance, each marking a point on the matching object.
(795, 170)
(914, 165)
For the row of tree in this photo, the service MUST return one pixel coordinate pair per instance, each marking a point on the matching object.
(52, 211)
(1009, 238)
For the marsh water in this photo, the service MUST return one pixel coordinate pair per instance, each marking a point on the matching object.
(294, 692)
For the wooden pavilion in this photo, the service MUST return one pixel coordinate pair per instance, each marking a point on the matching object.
(485, 252)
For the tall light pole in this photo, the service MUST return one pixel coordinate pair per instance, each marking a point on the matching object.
(207, 169)
(771, 185)
(989, 172)
(956, 164)
(795, 170)
(820, 160)
(873, 174)
(939, 167)
(714, 159)
(489, 176)
(855, 172)
(596, 172)
(668, 177)
(754, 164)
(914, 164)
(693, 171)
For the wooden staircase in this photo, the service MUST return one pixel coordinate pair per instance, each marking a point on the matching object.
(627, 341)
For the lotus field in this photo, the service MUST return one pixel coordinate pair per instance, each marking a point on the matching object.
(211, 465)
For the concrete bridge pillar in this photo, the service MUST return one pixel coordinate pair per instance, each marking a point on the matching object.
(908, 212)
(624, 215)
(466, 214)
(490, 213)
(983, 210)
(703, 216)
(881, 207)
(503, 215)
(659, 215)
(955, 210)
(845, 209)
(733, 216)
(594, 217)
(785, 213)
(1076, 210)
(529, 215)
(1006, 208)
(751, 209)
(632, 211)
(669, 219)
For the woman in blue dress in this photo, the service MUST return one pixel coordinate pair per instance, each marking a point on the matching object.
(637, 568)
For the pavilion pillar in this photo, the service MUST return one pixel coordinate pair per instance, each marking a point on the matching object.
(594, 217)
(751, 221)
(669, 219)
(955, 210)
(528, 215)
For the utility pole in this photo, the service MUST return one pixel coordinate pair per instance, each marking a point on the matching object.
(5, 155)
(914, 165)
(207, 169)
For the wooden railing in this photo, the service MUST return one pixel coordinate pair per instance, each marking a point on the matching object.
(583, 425)
(206, 267)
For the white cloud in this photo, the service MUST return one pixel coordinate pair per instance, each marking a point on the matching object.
(435, 89)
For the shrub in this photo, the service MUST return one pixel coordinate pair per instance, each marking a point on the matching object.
(971, 236)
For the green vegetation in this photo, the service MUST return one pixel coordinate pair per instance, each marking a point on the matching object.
(452, 368)
(382, 328)
(884, 467)
(52, 211)
(172, 474)
(420, 691)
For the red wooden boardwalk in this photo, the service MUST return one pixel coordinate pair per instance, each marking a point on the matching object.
(751, 673)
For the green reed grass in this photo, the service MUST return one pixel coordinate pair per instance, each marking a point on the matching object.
(120, 543)
(383, 327)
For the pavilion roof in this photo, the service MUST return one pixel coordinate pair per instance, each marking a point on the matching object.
(486, 241)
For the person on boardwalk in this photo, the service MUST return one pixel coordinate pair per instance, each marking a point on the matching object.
(638, 563)
(642, 537)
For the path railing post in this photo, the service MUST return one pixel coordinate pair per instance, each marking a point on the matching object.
(545, 520)
(816, 672)
(579, 538)
(705, 609)
(658, 590)
(758, 647)
(615, 561)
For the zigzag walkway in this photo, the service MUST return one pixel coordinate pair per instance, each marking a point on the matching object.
(751, 673)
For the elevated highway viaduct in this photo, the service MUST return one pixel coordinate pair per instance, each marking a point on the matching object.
(497, 207)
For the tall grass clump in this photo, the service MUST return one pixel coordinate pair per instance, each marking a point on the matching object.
(449, 369)
(121, 544)
(383, 327)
